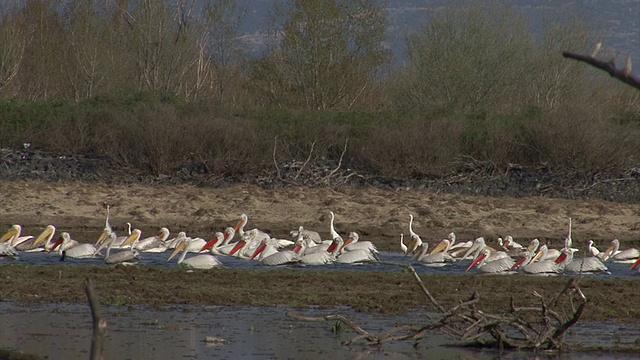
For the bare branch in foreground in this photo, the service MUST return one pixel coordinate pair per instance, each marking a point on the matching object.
(532, 327)
(623, 74)
(99, 323)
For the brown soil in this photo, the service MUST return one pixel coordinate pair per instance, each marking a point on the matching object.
(378, 215)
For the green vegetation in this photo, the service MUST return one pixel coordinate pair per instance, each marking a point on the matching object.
(155, 86)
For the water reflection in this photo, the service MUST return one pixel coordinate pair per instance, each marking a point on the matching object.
(160, 259)
(64, 332)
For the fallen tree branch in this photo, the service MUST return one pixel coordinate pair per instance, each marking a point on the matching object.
(529, 327)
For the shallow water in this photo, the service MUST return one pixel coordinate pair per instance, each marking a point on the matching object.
(160, 260)
(64, 332)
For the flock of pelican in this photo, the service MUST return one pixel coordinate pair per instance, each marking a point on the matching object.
(511, 257)
(307, 247)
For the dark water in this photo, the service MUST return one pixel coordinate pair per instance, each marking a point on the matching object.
(64, 332)
(160, 260)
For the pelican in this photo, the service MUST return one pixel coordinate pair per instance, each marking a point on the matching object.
(5, 245)
(315, 257)
(587, 265)
(416, 241)
(273, 257)
(546, 254)
(196, 262)
(528, 265)
(124, 257)
(478, 247)
(155, 243)
(435, 258)
(332, 229)
(194, 245)
(613, 253)
(34, 244)
(239, 229)
(349, 257)
(107, 229)
(500, 266)
(13, 236)
(307, 235)
(78, 250)
(220, 244)
(635, 264)
(509, 243)
(352, 243)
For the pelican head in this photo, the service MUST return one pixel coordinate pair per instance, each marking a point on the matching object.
(13, 233)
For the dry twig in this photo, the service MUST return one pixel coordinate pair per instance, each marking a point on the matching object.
(623, 74)
(531, 327)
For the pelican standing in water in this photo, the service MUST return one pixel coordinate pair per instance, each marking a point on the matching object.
(195, 262)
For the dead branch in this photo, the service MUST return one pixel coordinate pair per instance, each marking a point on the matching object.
(306, 161)
(99, 323)
(529, 327)
(344, 150)
(623, 74)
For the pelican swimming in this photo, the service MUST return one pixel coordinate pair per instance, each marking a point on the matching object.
(14, 238)
(6, 249)
(77, 250)
(318, 256)
(502, 265)
(587, 265)
(529, 265)
(307, 235)
(239, 229)
(353, 243)
(124, 257)
(197, 262)
(613, 253)
(273, 257)
(35, 244)
(435, 258)
(350, 257)
(157, 243)
(220, 244)
(479, 245)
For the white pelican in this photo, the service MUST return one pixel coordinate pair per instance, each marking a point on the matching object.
(220, 244)
(259, 234)
(587, 265)
(613, 253)
(528, 265)
(197, 262)
(415, 241)
(479, 245)
(350, 257)
(352, 243)
(499, 266)
(155, 243)
(35, 244)
(307, 235)
(318, 256)
(332, 229)
(13, 236)
(546, 254)
(124, 257)
(78, 250)
(273, 257)
(509, 242)
(435, 258)
(193, 245)
(107, 229)
(6, 249)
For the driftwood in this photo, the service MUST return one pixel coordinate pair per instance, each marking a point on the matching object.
(99, 323)
(539, 327)
(623, 73)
